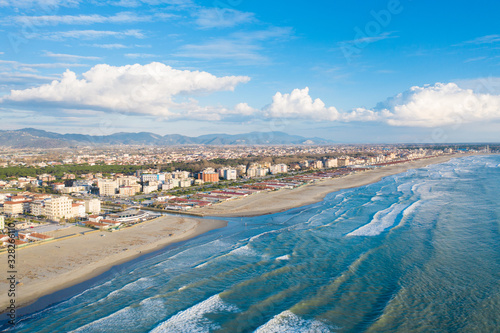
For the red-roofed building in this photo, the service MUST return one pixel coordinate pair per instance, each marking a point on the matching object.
(16, 207)
(110, 222)
(97, 225)
(34, 236)
(95, 218)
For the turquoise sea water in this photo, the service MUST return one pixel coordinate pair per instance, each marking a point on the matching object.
(415, 252)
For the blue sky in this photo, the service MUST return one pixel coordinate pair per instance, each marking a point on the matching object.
(350, 71)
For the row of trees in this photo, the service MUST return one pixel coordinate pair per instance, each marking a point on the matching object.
(59, 170)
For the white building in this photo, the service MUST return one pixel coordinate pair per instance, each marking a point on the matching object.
(59, 207)
(72, 189)
(127, 181)
(107, 187)
(278, 168)
(37, 207)
(150, 177)
(345, 161)
(92, 206)
(261, 172)
(178, 182)
(331, 163)
(78, 209)
(228, 174)
(251, 172)
(180, 174)
(151, 187)
(317, 164)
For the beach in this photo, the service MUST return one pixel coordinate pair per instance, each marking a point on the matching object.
(53, 266)
(282, 200)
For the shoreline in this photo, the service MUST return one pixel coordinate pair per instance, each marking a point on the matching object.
(265, 203)
(79, 259)
(51, 267)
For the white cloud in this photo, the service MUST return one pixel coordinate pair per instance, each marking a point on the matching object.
(139, 89)
(137, 3)
(429, 106)
(226, 49)
(222, 18)
(489, 39)
(140, 55)
(123, 17)
(483, 85)
(243, 47)
(439, 105)
(299, 105)
(69, 57)
(16, 78)
(244, 109)
(86, 34)
(33, 67)
(110, 46)
(46, 5)
(362, 41)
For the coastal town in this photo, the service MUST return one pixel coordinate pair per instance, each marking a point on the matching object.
(40, 203)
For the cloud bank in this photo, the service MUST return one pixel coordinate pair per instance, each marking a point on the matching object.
(299, 105)
(160, 90)
(140, 89)
(440, 104)
(435, 105)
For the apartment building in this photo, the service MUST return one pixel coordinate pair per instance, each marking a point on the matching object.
(127, 180)
(317, 164)
(107, 187)
(278, 168)
(345, 161)
(209, 177)
(149, 178)
(78, 209)
(59, 207)
(92, 206)
(331, 163)
(227, 173)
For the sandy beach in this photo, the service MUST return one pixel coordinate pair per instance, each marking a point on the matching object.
(49, 267)
(282, 200)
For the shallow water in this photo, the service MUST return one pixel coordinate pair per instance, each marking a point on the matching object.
(415, 252)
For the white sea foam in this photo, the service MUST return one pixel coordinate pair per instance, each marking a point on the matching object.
(202, 264)
(193, 319)
(260, 235)
(288, 322)
(410, 209)
(188, 256)
(243, 250)
(285, 257)
(139, 284)
(130, 316)
(381, 221)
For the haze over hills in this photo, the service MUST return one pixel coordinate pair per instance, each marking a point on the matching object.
(34, 138)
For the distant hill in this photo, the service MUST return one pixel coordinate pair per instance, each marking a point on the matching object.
(35, 138)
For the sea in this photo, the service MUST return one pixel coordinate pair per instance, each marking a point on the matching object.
(415, 252)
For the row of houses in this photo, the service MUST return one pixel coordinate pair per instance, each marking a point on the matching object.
(50, 206)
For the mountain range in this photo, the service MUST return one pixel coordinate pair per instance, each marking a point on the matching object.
(35, 138)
